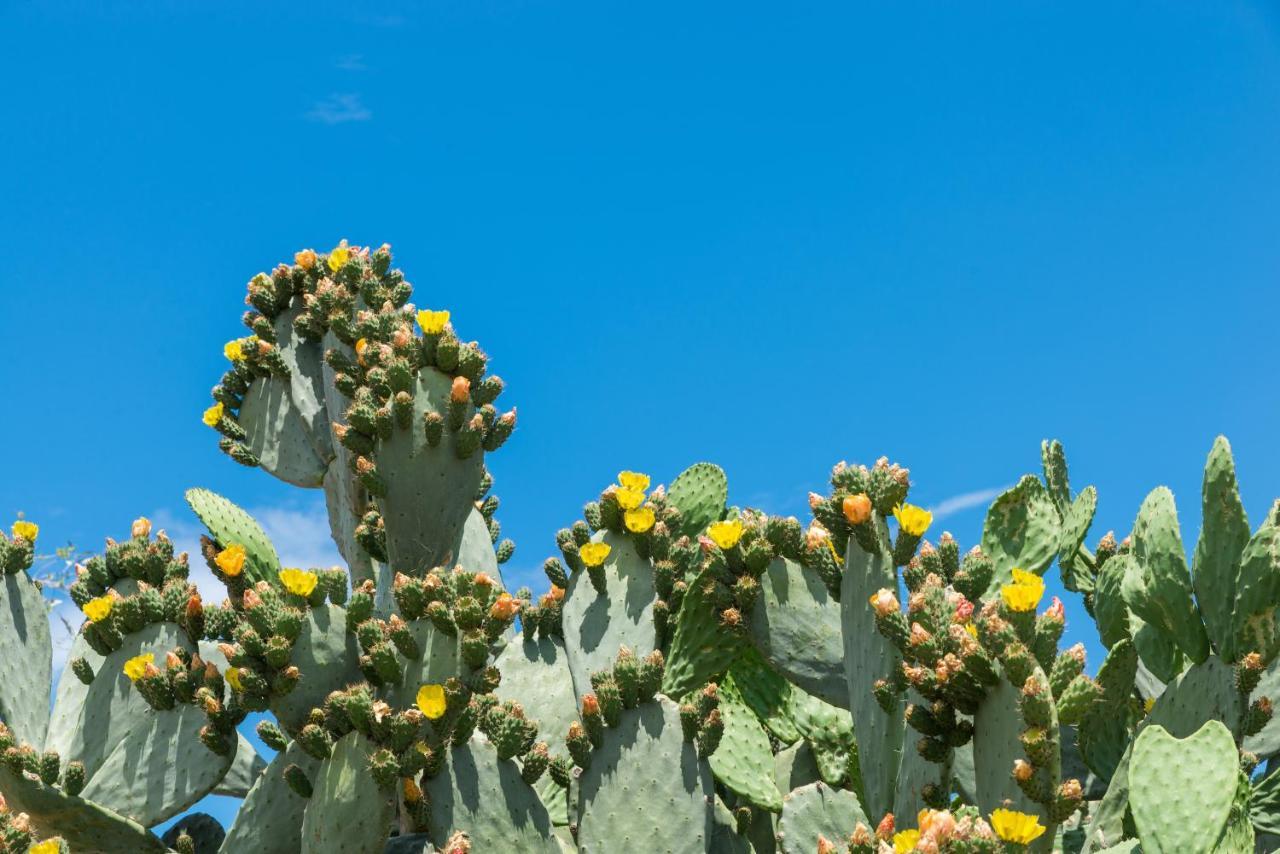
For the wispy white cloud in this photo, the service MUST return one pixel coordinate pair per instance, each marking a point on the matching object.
(340, 108)
(350, 62)
(964, 501)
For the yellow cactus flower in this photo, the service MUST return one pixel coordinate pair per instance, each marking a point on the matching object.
(905, 841)
(912, 519)
(141, 527)
(432, 701)
(300, 582)
(233, 350)
(98, 609)
(1016, 827)
(231, 559)
(594, 554)
(1148, 704)
(306, 259)
(233, 679)
(339, 256)
(972, 630)
(213, 415)
(136, 666)
(49, 846)
(361, 345)
(26, 530)
(725, 534)
(639, 520)
(1024, 592)
(628, 499)
(633, 480)
(432, 322)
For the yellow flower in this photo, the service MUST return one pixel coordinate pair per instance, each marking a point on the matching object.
(231, 559)
(633, 480)
(98, 609)
(912, 519)
(1024, 592)
(432, 322)
(26, 530)
(233, 350)
(628, 499)
(1017, 827)
(905, 840)
(213, 415)
(306, 259)
(339, 256)
(299, 581)
(431, 701)
(1148, 704)
(49, 846)
(972, 630)
(594, 554)
(725, 534)
(233, 679)
(638, 521)
(136, 666)
(361, 345)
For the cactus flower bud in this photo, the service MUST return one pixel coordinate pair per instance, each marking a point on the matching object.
(883, 602)
(141, 527)
(460, 392)
(1022, 770)
(856, 508)
(884, 830)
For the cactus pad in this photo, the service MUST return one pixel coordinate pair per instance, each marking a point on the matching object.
(347, 810)
(699, 493)
(228, 524)
(1022, 530)
(25, 666)
(817, 810)
(270, 819)
(1182, 790)
(796, 625)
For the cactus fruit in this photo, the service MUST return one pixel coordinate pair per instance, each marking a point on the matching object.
(697, 677)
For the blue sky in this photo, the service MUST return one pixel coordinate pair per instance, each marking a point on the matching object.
(769, 237)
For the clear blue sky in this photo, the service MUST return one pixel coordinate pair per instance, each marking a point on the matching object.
(770, 237)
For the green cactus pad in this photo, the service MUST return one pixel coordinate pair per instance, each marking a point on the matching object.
(1021, 530)
(347, 812)
(1223, 536)
(1266, 743)
(1258, 594)
(306, 382)
(1053, 459)
(724, 832)
(146, 765)
(326, 657)
(596, 626)
(277, 434)
(996, 730)
(963, 774)
(204, 830)
(1182, 790)
(646, 788)
(26, 665)
(87, 828)
(743, 762)
(796, 625)
(1076, 522)
(345, 500)
(1264, 804)
(428, 490)
(228, 524)
(1167, 603)
(701, 649)
(869, 657)
(1111, 613)
(829, 731)
(270, 819)
(1204, 692)
(768, 695)
(795, 766)
(914, 772)
(244, 771)
(536, 675)
(441, 660)
(817, 810)
(699, 493)
(484, 797)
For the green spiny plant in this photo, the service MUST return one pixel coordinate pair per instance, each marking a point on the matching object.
(698, 676)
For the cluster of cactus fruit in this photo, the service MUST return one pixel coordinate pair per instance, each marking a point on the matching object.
(699, 677)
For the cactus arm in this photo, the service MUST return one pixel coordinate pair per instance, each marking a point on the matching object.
(347, 810)
(596, 625)
(1258, 593)
(701, 649)
(270, 819)
(245, 769)
(743, 762)
(646, 785)
(483, 796)
(869, 658)
(26, 663)
(817, 810)
(326, 656)
(1202, 768)
(228, 525)
(277, 434)
(84, 825)
(1223, 536)
(1157, 544)
(699, 493)
(796, 625)
(1021, 530)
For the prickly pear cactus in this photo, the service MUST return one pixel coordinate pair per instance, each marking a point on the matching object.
(696, 676)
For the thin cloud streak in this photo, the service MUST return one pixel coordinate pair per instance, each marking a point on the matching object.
(340, 108)
(958, 503)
